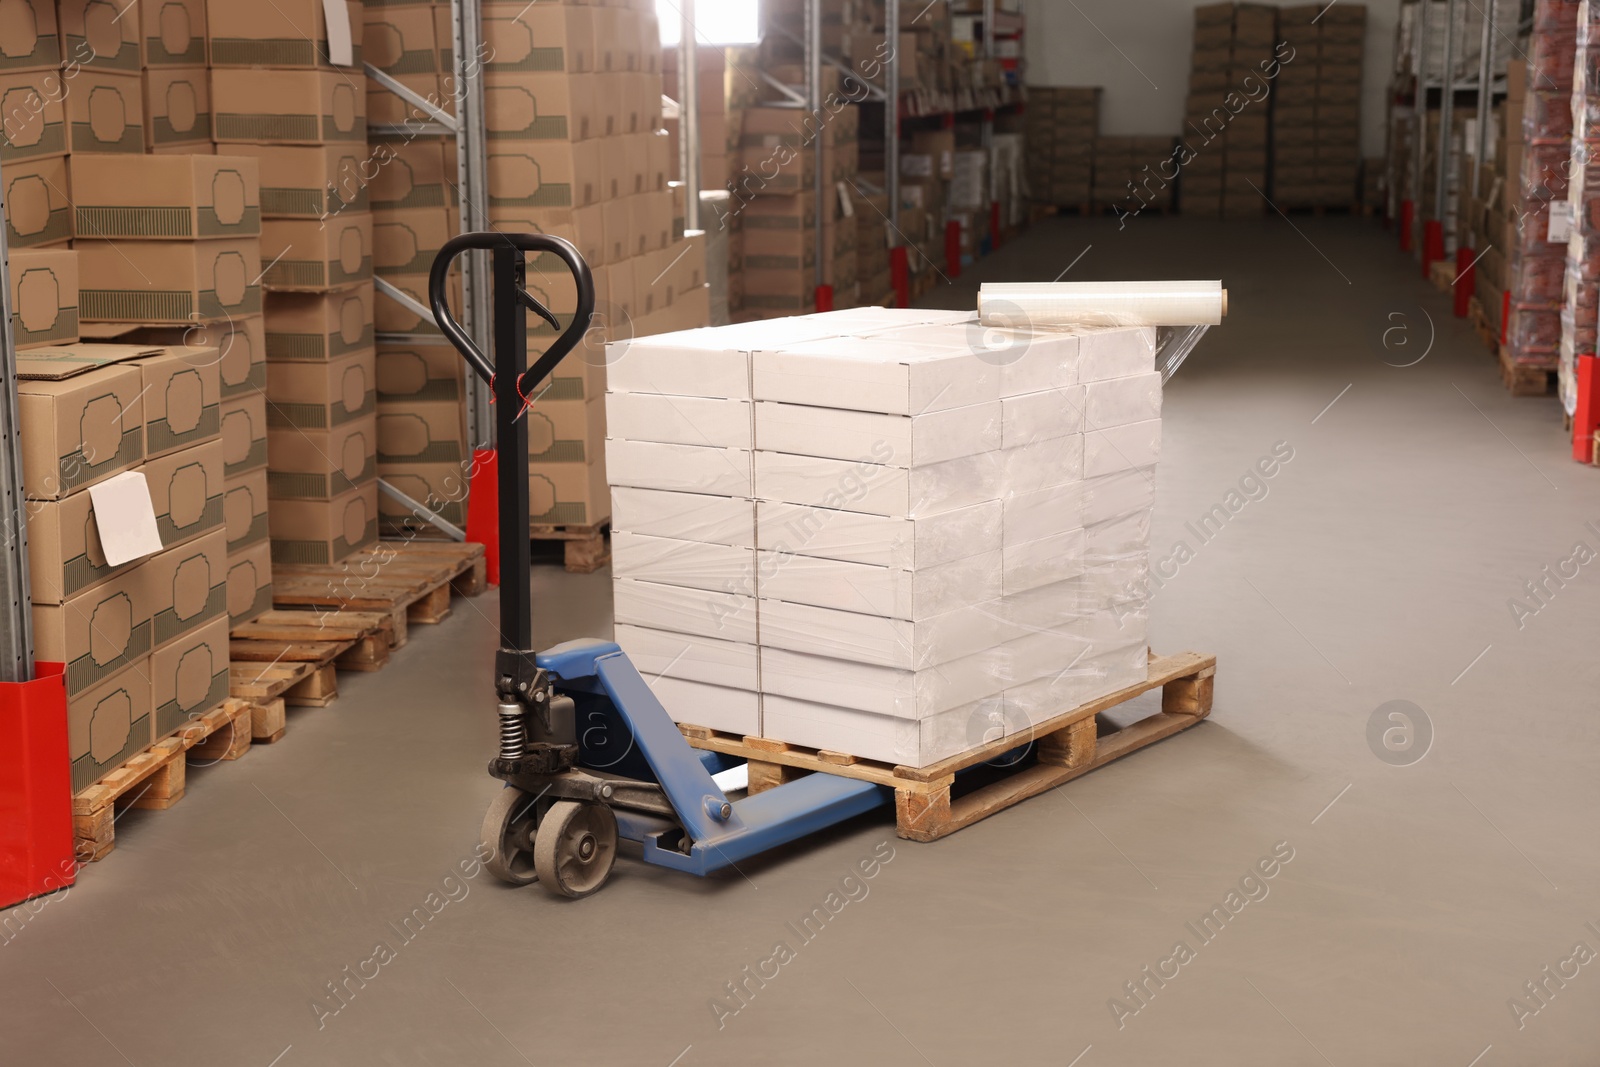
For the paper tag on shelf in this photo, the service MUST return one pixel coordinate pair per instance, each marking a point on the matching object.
(125, 518)
(1561, 216)
(846, 208)
(341, 51)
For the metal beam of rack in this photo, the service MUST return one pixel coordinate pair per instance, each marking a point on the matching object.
(1419, 106)
(891, 115)
(16, 613)
(1441, 185)
(814, 123)
(689, 114)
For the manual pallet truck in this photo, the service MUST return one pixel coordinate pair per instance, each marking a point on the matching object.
(572, 793)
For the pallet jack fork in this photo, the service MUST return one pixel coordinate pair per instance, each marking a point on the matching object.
(587, 752)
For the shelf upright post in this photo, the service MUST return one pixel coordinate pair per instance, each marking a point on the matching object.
(898, 254)
(689, 114)
(16, 616)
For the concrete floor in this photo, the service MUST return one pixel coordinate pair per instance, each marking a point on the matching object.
(1418, 901)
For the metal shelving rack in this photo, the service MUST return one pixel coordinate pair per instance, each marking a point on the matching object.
(16, 621)
(467, 128)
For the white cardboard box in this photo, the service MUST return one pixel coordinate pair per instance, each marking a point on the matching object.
(913, 743)
(883, 690)
(711, 362)
(679, 468)
(894, 379)
(893, 440)
(1116, 352)
(1042, 561)
(1039, 416)
(1119, 401)
(896, 492)
(725, 616)
(1042, 513)
(1042, 464)
(877, 539)
(664, 653)
(885, 642)
(1111, 496)
(679, 420)
(1120, 448)
(1025, 361)
(673, 561)
(719, 520)
(892, 592)
(719, 707)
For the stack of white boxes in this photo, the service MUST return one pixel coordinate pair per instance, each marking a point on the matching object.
(895, 534)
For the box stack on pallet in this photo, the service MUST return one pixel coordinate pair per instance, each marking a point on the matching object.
(292, 88)
(1539, 200)
(939, 540)
(1316, 143)
(1062, 126)
(1581, 289)
(1133, 173)
(419, 381)
(1493, 223)
(1205, 118)
(927, 164)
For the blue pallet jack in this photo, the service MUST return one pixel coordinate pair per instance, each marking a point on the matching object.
(588, 754)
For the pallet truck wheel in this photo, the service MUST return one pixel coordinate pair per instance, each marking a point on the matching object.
(575, 848)
(509, 828)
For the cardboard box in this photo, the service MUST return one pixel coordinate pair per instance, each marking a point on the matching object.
(318, 327)
(174, 33)
(178, 197)
(249, 583)
(320, 396)
(44, 296)
(97, 632)
(100, 34)
(283, 34)
(426, 432)
(321, 464)
(543, 106)
(187, 492)
(238, 348)
(109, 724)
(309, 181)
(244, 510)
(439, 487)
(186, 585)
(580, 375)
(566, 431)
(244, 434)
(189, 676)
(403, 39)
(38, 212)
(324, 531)
(35, 125)
(407, 241)
(386, 108)
(408, 174)
(316, 256)
(38, 44)
(583, 227)
(64, 553)
(409, 373)
(177, 109)
(287, 106)
(544, 175)
(540, 38)
(182, 391)
(391, 317)
(105, 111)
(81, 416)
(568, 493)
(183, 283)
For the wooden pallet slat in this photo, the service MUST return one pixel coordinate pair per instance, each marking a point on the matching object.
(585, 548)
(1067, 745)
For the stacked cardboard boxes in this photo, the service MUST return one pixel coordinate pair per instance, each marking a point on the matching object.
(1581, 290)
(288, 90)
(142, 642)
(1228, 109)
(1538, 190)
(177, 86)
(1062, 126)
(1317, 107)
(1133, 173)
(958, 548)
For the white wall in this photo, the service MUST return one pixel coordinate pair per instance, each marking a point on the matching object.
(1156, 37)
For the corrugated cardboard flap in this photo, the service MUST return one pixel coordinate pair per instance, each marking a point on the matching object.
(59, 362)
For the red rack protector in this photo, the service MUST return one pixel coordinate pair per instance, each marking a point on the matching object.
(35, 789)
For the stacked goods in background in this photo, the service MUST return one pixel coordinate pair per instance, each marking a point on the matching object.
(872, 247)
(1061, 126)
(289, 90)
(1538, 192)
(1316, 136)
(1581, 288)
(572, 102)
(418, 378)
(176, 83)
(142, 642)
(1495, 226)
(959, 548)
(1205, 117)
(1244, 182)
(1133, 173)
(927, 165)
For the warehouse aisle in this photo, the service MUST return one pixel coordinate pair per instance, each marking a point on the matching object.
(1271, 887)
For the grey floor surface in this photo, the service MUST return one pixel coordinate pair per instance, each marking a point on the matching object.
(1416, 903)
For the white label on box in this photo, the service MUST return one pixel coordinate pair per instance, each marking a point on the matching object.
(125, 518)
(1561, 217)
(341, 49)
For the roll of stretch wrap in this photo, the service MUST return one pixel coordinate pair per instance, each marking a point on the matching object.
(1046, 304)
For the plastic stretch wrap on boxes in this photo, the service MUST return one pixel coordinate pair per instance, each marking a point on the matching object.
(939, 536)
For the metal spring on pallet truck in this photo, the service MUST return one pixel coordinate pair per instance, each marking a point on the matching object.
(513, 733)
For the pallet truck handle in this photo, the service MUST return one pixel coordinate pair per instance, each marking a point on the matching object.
(510, 380)
(512, 246)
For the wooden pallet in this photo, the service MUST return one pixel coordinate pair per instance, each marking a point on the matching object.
(409, 581)
(270, 687)
(155, 778)
(1523, 378)
(1066, 746)
(585, 549)
(1481, 324)
(293, 657)
(1442, 274)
